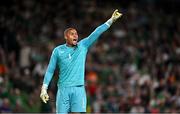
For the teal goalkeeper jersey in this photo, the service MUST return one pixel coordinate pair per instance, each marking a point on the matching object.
(71, 60)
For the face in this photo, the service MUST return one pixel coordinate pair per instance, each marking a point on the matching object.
(71, 37)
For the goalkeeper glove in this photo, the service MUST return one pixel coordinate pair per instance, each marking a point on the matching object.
(44, 96)
(116, 15)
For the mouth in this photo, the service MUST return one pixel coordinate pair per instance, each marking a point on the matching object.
(75, 40)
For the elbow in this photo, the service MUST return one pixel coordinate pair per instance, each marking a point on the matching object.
(50, 70)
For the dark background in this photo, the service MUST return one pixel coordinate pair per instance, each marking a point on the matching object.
(134, 67)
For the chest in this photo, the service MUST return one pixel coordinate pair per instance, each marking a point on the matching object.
(69, 55)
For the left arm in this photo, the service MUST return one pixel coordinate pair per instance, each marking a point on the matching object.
(87, 42)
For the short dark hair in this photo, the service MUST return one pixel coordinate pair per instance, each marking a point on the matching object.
(67, 30)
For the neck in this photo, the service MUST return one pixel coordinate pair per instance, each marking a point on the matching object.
(70, 45)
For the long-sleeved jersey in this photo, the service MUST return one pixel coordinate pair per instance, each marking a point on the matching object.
(71, 60)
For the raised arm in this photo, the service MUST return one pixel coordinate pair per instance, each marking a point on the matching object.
(87, 42)
(48, 76)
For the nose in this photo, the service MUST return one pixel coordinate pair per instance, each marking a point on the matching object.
(76, 36)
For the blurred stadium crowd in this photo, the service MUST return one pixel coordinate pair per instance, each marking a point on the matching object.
(133, 68)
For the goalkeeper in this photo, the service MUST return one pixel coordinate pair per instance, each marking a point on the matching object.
(70, 59)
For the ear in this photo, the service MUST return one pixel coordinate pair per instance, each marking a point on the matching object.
(65, 36)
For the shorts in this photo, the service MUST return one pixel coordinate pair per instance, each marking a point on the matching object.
(71, 99)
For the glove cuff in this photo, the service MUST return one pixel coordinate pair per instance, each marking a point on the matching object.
(109, 22)
(44, 86)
